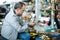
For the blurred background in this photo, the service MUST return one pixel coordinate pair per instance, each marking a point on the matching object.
(46, 13)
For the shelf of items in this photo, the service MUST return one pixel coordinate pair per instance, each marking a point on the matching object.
(45, 13)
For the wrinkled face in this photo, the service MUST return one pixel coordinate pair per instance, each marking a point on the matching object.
(20, 11)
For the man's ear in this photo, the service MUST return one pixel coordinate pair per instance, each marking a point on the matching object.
(17, 10)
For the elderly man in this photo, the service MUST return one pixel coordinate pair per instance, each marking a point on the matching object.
(13, 23)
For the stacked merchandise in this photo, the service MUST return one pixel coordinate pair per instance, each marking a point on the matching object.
(42, 30)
